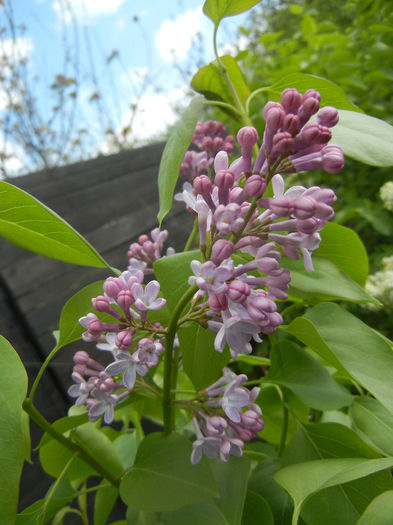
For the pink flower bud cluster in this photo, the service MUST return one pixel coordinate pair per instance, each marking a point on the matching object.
(233, 215)
(145, 252)
(210, 138)
(291, 142)
(127, 301)
(235, 418)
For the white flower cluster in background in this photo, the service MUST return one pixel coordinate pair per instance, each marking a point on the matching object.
(386, 194)
(380, 284)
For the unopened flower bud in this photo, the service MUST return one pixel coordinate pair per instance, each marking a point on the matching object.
(238, 291)
(282, 143)
(247, 137)
(224, 179)
(217, 302)
(123, 340)
(81, 357)
(254, 186)
(308, 226)
(332, 159)
(312, 93)
(125, 299)
(143, 238)
(101, 303)
(274, 117)
(291, 99)
(202, 185)
(328, 116)
(281, 206)
(112, 287)
(304, 208)
(222, 249)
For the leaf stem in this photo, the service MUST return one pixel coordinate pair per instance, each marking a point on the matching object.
(254, 94)
(41, 371)
(171, 359)
(43, 423)
(221, 104)
(238, 103)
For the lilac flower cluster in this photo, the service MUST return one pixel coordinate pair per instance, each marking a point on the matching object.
(127, 301)
(210, 138)
(145, 252)
(234, 420)
(233, 215)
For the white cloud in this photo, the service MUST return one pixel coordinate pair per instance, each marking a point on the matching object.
(84, 8)
(175, 37)
(154, 113)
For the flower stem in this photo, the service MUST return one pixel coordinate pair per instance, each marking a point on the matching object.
(43, 423)
(191, 237)
(171, 361)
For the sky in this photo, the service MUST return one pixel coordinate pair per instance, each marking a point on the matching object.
(154, 49)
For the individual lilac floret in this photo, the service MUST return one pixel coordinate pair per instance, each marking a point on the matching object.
(124, 364)
(235, 419)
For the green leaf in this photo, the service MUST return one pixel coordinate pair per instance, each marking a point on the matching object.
(380, 510)
(364, 138)
(325, 283)
(324, 473)
(12, 437)
(90, 438)
(54, 456)
(324, 441)
(201, 362)
(332, 440)
(173, 155)
(349, 345)
(262, 482)
(294, 368)
(173, 273)
(256, 510)
(375, 421)
(126, 445)
(331, 94)
(272, 407)
(202, 513)
(42, 510)
(76, 307)
(103, 503)
(210, 81)
(28, 223)
(216, 10)
(163, 478)
(343, 247)
(231, 478)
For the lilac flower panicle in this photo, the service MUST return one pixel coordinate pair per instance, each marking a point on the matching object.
(231, 419)
(236, 216)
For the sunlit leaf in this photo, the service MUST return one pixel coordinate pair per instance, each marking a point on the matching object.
(173, 155)
(364, 138)
(13, 387)
(331, 94)
(28, 223)
(350, 345)
(320, 474)
(216, 10)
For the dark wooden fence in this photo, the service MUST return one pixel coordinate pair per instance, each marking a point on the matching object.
(111, 201)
